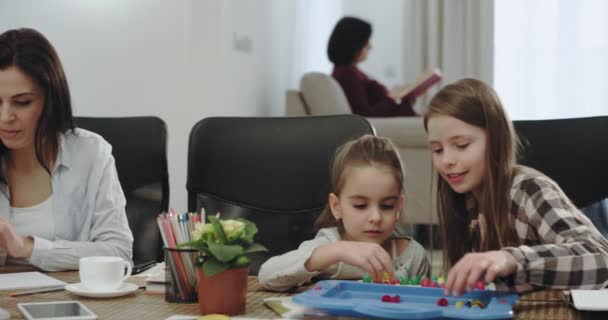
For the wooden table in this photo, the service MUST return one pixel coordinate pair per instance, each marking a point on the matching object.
(541, 305)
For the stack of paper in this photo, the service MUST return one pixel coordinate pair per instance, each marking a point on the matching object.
(155, 280)
(590, 300)
(27, 280)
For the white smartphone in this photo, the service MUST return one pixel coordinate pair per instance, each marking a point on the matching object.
(56, 310)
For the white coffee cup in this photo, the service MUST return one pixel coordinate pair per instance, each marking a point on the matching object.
(103, 273)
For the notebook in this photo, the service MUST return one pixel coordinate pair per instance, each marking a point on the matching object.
(27, 280)
(590, 300)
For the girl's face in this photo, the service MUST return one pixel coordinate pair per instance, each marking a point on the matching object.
(368, 204)
(459, 151)
(21, 103)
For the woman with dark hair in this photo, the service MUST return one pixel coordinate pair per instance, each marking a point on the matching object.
(349, 45)
(60, 198)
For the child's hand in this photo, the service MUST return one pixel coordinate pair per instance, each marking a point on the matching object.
(474, 266)
(370, 257)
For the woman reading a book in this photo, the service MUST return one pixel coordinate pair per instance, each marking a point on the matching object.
(60, 198)
(348, 46)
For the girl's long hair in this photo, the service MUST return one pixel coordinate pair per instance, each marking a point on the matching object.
(368, 150)
(477, 104)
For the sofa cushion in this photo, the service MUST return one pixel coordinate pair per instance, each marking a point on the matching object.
(323, 94)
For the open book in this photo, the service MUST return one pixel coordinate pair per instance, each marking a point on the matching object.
(426, 80)
(286, 308)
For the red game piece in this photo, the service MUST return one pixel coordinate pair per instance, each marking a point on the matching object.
(442, 302)
(396, 299)
(480, 285)
(503, 300)
(386, 298)
(434, 285)
(426, 282)
(396, 281)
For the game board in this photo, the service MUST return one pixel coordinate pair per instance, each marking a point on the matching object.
(373, 300)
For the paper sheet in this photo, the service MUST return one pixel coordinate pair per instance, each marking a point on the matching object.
(590, 300)
(27, 280)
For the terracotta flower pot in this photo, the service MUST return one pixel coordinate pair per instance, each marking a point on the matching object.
(224, 293)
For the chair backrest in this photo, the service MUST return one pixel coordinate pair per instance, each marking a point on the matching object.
(139, 147)
(272, 171)
(573, 152)
(323, 94)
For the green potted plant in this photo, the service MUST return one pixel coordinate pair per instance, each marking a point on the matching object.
(224, 246)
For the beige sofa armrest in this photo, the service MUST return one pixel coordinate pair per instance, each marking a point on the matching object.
(294, 104)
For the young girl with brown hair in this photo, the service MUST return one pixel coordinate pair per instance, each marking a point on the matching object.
(513, 224)
(356, 227)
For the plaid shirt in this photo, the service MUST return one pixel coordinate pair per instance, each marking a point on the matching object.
(559, 247)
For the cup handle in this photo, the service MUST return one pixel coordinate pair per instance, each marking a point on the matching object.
(129, 270)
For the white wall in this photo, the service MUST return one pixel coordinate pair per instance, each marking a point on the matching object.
(173, 59)
(257, 74)
(385, 60)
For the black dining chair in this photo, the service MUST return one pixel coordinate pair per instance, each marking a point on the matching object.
(139, 147)
(272, 171)
(573, 152)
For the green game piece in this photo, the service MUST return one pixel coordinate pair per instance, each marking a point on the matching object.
(367, 278)
(433, 279)
(404, 280)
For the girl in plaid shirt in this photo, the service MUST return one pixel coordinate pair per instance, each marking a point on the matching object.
(515, 226)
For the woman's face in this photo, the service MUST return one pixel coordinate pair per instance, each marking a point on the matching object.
(21, 103)
(362, 56)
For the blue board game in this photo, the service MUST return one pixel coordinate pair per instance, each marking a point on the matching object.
(358, 299)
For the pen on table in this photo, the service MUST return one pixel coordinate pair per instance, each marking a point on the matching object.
(143, 266)
(36, 290)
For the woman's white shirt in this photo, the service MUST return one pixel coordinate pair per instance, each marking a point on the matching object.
(21, 219)
(88, 206)
(42, 213)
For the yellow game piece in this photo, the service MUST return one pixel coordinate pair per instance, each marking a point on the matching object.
(385, 277)
(441, 280)
(459, 304)
(214, 316)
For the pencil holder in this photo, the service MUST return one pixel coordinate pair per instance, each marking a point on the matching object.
(180, 275)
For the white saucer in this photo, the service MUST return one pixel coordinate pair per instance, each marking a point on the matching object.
(79, 289)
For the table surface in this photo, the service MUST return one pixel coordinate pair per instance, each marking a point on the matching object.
(546, 304)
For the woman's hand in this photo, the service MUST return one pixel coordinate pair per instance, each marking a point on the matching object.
(15, 245)
(370, 257)
(485, 266)
(396, 93)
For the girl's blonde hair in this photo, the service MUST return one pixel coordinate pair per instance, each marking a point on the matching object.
(477, 104)
(368, 150)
